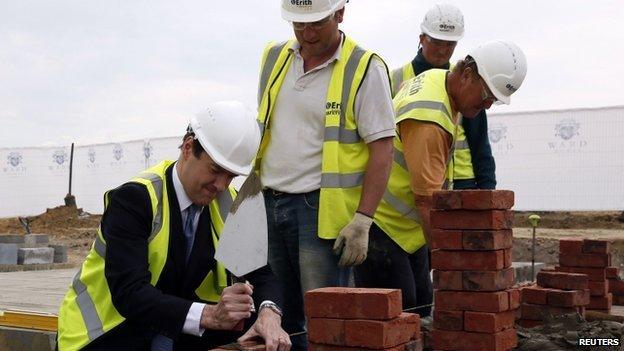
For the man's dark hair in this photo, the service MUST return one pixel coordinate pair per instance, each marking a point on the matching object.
(467, 62)
(197, 148)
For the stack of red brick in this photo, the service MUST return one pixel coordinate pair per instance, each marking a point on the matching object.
(556, 293)
(616, 285)
(360, 319)
(471, 258)
(590, 257)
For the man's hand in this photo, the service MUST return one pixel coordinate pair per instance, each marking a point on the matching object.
(234, 306)
(267, 326)
(353, 240)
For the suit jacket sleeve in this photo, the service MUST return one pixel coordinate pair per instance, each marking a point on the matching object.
(483, 163)
(126, 227)
(266, 286)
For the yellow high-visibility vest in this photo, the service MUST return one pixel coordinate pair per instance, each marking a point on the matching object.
(423, 98)
(87, 312)
(345, 154)
(462, 159)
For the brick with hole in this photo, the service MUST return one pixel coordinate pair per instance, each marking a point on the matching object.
(448, 320)
(598, 288)
(585, 260)
(470, 260)
(473, 199)
(593, 274)
(569, 298)
(496, 301)
(472, 220)
(487, 322)
(596, 246)
(561, 280)
(353, 303)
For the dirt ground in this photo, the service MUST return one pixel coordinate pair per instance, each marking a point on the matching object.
(75, 228)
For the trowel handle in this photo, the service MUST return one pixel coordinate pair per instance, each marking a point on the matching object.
(241, 323)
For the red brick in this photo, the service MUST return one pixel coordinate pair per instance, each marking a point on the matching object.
(414, 345)
(456, 340)
(570, 246)
(596, 246)
(380, 334)
(446, 239)
(507, 257)
(541, 312)
(593, 274)
(487, 239)
(612, 273)
(468, 260)
(447, 280)
(571, 298)
(467, 219)
(471, 301)
(618, 300)
(615, 286)
(474, 199)
(527, 323)
(488, 280)
(448, 320)
(514, 298)
(484, 322)
(535, 295)
(353, 303)
(560, 280)
(585, 260)
(248, 345)
(600, 302)
(598, 288)
(326, 331)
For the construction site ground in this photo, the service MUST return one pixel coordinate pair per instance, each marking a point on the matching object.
(42, 290)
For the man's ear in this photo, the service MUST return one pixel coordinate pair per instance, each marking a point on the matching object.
(421, 38)
(187, 148)
(339, 15)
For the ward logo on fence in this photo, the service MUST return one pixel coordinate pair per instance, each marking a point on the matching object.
(59, 156)
(14, 159)
(497, 132)
(118, 152)
(567, 128)
(91, 155)
(567, 132)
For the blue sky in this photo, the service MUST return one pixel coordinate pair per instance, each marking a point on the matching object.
(104, 71)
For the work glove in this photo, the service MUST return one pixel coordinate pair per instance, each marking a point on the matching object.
(353, 240)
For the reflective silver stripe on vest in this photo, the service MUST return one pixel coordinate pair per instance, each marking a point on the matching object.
(224, 199)
(431, 105)
(404, 209)
(461, 145)
(269, 63)
(87, 308)
(397, 79)
(99, 246)
(261, 126)
(337, 180)
(400, 158)
(342, 135)
(157, 184)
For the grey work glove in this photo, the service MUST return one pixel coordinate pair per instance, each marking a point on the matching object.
(353, 240)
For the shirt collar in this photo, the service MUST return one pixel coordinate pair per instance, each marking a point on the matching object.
(183, 200)
(295, 47)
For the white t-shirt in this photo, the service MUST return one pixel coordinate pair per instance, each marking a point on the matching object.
(292, 160)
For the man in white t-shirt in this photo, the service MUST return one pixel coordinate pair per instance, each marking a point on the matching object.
(326, 113)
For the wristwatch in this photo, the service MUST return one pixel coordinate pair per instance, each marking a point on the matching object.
(272, 306)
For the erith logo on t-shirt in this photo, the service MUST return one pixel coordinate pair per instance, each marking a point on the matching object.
(332, 108)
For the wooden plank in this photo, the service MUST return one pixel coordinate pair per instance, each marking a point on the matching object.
(28, 320)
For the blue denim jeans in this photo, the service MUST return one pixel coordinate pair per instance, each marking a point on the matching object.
(301, 260)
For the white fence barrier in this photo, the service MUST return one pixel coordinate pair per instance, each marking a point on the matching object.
(553, 160)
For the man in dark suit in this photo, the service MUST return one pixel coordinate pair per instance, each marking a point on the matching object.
(150, 281)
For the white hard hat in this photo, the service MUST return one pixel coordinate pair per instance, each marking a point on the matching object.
(229, 133)
(309, 10)
(443, 22)
(502, 65)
